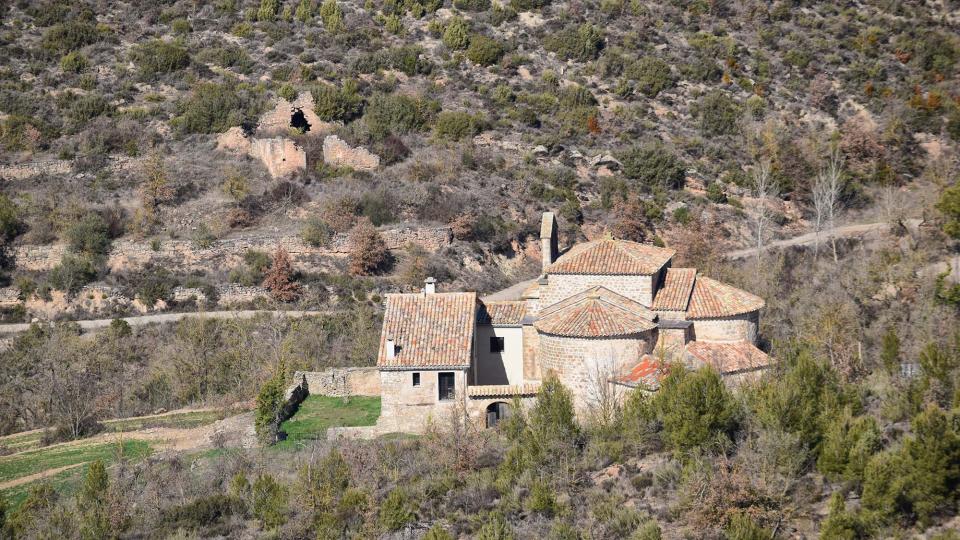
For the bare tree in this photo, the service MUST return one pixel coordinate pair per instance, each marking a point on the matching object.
(826, 198)
(604, 399)
(764, 188)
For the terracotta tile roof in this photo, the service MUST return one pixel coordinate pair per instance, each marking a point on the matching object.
(503, 390)
(429, 330)
(595, 312)
(612, 257)
(508, 312)
(675, 293)
(728, 357)
(649, 371)
(711, 299)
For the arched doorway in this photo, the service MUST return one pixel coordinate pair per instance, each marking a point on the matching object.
(496, 412)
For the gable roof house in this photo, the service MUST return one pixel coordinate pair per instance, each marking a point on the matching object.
(607, 311)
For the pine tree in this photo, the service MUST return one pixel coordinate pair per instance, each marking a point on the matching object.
(92, 502)
(279, 278)
(269, 402)
(890, 350)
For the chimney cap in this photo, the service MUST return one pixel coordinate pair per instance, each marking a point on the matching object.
(430, 280)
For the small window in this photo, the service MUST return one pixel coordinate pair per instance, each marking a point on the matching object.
(416, 379)
(496, 344)
(445, 383)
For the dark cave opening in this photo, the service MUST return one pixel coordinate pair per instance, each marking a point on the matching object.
(299, 122)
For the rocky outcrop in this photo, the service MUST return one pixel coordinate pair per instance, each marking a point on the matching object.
(183, 256)
(338, 153)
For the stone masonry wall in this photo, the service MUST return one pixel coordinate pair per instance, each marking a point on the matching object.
(578, 362)
(741, 327)
(184, 256)
(409, 409)
(561, 286)
(341, 382)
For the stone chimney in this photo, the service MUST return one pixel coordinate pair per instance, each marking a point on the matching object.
(391, 348)
(548, 239)
(430, 285)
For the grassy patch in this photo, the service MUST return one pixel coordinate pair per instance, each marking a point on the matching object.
(64, 483)
(179, 420)
(35, 461)
(19, 443)
(317, 413)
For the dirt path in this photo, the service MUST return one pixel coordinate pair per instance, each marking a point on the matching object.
(845, 231)
(37, 476)
(99, 324)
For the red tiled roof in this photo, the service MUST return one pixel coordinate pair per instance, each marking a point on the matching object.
(508, 312)
(675, 293)
(728, 357)
(712, 299)
(428, 330)
(595, 312)
(612, 257)
(503, 390)
(648, 371)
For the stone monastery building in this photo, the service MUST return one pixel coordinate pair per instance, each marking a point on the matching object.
(606, 312)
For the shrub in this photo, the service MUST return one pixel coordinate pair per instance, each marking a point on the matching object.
(156, 285)
(332, 16)
(69, 36)
(741, 527)
(541, 499)
(396, 510)
(484, 51)
(204, 511)
(279, 278)
(228, 56)
(921, 477)
(316, 232)
(716, 193)
(583, 43)
(211, 108)
(87, 107)
(399, 114)
(337, 104)
(949, 206)
(695, 408)
(10, 223)
(74, 62)
(268, 10)
(89, 236)
(455, 125)
(717, 113)
(495, 527)
(270, 400)
(653, 165)
(840, 523)
(72, 273)
(407, 59)
(456, 35)
(652, 75)
(527, 5)
(848, 443)
(157, 56)
(269, 502)
(648, 531)
(287, 92)
(437, 533)
(368, 251)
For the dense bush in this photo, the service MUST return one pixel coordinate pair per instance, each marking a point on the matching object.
(228, 56)
(214, 108)
(10, 221)
(484, 51)
(582, 43)
(74, 62)
(456, 35)
(72, 273)
(455, 125)
(157, 56)
(717, 113)
(695, 408)
(651, 74)
(409, 59)
(653, 165)
(337, 104)
(528, 5)
(69, 36)
(395, 113)
(89, 236)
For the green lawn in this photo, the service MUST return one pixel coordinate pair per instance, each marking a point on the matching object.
(35, 461)
(317, 413)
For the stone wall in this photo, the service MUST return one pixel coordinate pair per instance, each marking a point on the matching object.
(184, 256)
(338, 153)
(341, 382)
(739, 328)
(580, 362)
(531, 352)
(280, 155)
(23, 171)
(409, 409)
(477, 407)
(561, 286)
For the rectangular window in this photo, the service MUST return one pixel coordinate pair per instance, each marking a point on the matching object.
(445, 382)
(496, 344)
(416, 379)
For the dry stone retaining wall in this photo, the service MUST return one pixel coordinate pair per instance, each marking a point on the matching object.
(341, 382)
(184, 256)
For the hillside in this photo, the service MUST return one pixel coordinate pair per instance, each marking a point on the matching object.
(253, 157)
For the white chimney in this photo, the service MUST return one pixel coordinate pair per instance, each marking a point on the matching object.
(429, 285)
(391, 349)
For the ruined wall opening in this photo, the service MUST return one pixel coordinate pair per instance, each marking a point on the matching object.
(496, 412)
(299, 122)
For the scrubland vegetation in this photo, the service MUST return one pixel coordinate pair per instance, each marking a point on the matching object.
(704, 126)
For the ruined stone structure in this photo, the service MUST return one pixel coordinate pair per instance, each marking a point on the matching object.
(338, 153)
(606, 313)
